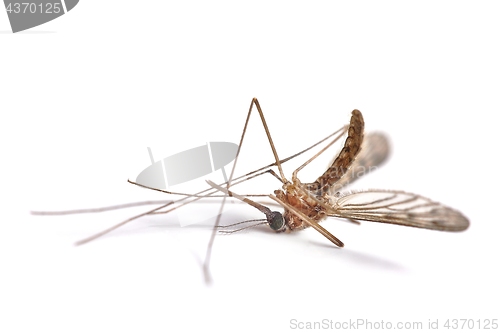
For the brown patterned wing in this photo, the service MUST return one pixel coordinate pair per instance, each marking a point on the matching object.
(397, 207)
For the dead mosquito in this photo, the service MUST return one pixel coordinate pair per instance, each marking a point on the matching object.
(306, 204)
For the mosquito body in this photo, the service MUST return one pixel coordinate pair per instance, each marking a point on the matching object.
(313, 199)
(307, 204)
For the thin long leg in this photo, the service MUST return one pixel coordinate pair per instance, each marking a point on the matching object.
(264, 123)
(91, 238)
(206, 264)
(208, 254)
(294, 174)
(265, 210)
(104, 232)
(103, 209)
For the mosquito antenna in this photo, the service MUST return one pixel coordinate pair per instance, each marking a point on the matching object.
(274, 219)
(247, 227)
(238, 223)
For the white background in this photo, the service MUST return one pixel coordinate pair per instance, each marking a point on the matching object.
(84, 95)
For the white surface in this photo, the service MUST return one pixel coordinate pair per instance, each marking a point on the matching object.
(84, 95)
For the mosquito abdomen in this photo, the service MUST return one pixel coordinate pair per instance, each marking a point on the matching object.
(341, 164)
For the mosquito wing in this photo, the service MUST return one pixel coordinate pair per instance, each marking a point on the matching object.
(374, 151)
(397, 207)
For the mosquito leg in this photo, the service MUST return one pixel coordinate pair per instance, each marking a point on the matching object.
(102, 233)
(196, 198)
(104, 209)
(264, 123)
(274, 174)
(108, 208)
(294, 174)
(289, 157)
(199, 194)
(283, 179)
(206, 264)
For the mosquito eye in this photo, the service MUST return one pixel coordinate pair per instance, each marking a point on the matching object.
(276, 221)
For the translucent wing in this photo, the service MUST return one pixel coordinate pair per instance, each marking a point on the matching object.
(397, 207)
(374, 151)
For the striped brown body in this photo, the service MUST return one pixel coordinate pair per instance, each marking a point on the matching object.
(298, 195)
(341, 165)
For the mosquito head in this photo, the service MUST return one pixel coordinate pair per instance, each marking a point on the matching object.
(276, 221)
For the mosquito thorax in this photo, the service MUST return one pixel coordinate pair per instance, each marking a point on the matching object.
(276, 222)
